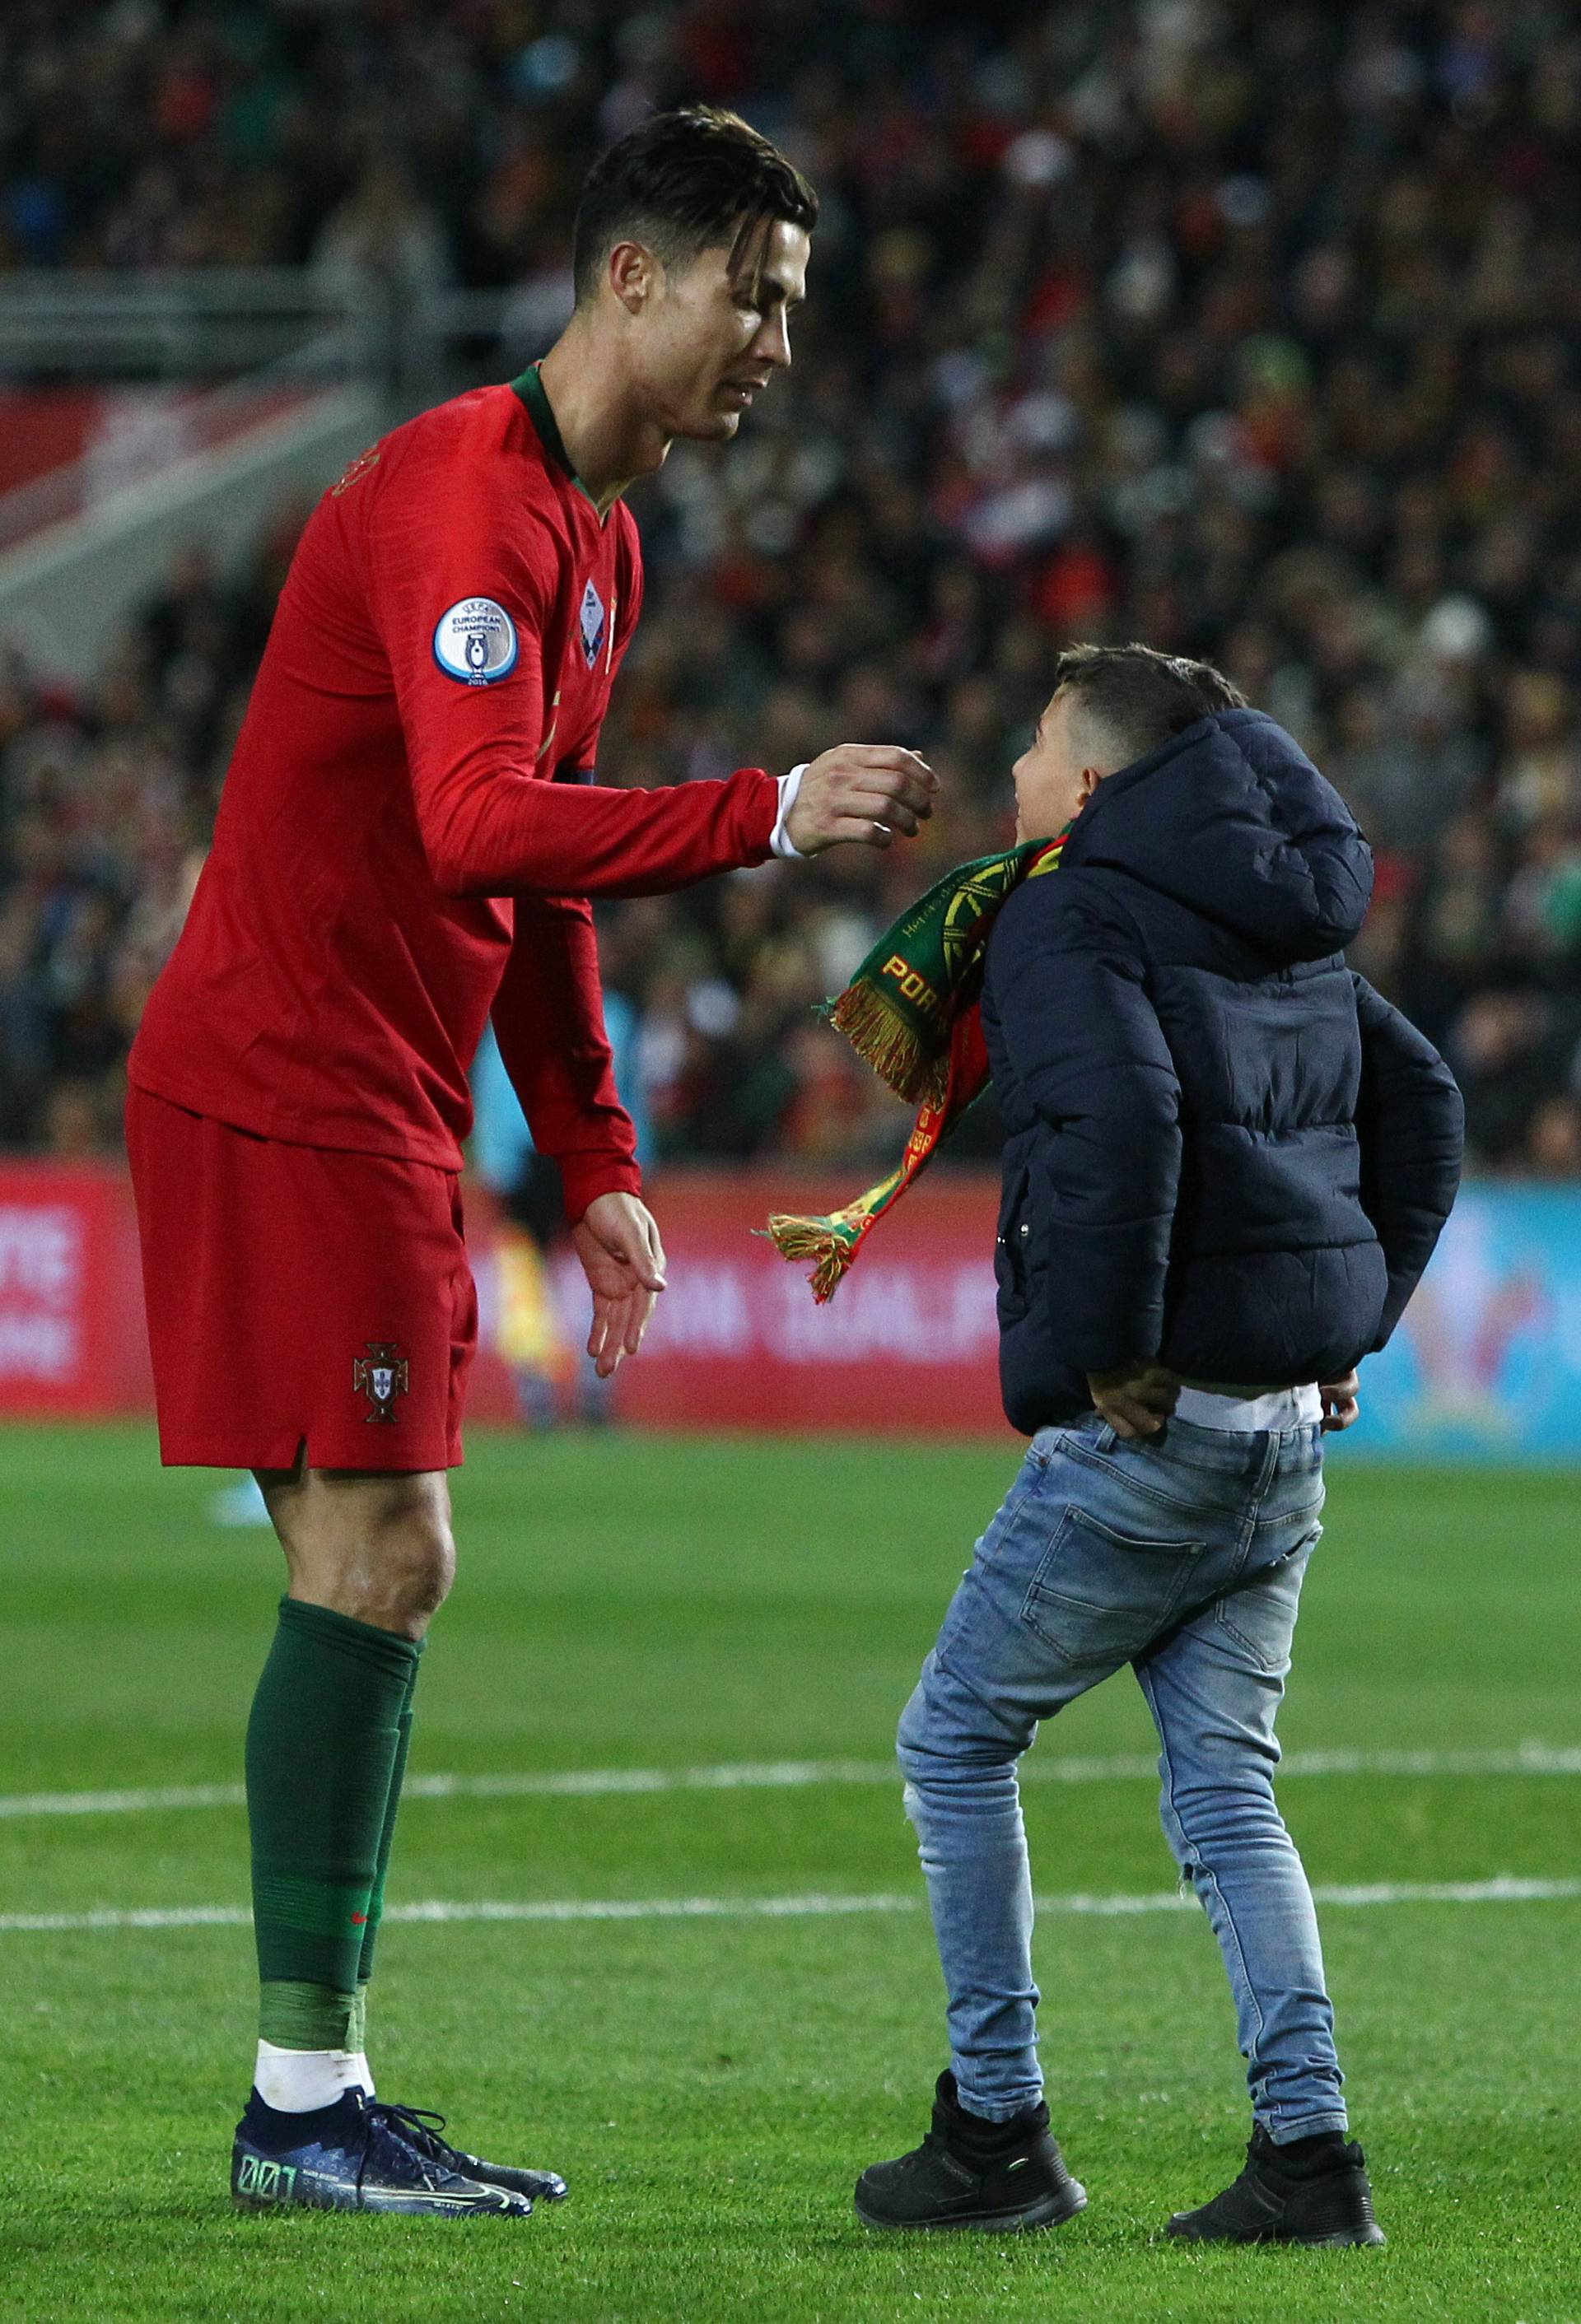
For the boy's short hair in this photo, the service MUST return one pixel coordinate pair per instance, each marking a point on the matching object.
(1138, 698)
(684, 182)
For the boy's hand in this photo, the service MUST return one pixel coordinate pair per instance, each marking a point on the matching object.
(1340, 1405)
(1137, 1401)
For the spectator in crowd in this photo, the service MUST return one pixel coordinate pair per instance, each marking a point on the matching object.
(1253, 333)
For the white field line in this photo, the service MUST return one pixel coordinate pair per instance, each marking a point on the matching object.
(795, 1774)
(1503, 1890)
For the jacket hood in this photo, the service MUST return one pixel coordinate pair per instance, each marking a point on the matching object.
(1232, 819)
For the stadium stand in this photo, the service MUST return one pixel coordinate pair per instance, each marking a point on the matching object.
(1253, 333)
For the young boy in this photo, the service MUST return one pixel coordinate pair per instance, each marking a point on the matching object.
(1227, 1161)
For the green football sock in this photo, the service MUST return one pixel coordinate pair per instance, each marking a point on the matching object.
(322, 1746)
(376, 1900)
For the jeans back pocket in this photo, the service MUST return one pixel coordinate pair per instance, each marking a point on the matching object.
(1259, 1617)
(1102, 1596)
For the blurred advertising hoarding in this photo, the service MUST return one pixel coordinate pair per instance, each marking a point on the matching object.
(1487, 1365)
(73, 1338)
(908, 1345)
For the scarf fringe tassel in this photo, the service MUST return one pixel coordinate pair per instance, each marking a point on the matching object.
(888, 1044)
(830, 1244)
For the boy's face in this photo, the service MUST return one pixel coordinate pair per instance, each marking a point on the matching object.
(1054, 779)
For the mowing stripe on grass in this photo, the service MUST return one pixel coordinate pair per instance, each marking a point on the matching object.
(794, 1774)
(1503, 1890)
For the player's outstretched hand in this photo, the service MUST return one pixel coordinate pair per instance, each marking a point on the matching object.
(623, 1258)
(860, 791)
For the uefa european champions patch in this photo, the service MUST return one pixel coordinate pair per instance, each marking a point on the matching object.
(475, 642)
(593, 623)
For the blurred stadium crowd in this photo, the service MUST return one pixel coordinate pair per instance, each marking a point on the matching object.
(1251, 332)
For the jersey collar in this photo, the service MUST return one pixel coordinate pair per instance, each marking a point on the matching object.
(541, 411)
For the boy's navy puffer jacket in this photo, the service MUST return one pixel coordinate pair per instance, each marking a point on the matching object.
(1224, 1151)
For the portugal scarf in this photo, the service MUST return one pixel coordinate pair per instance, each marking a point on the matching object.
(914, 1011)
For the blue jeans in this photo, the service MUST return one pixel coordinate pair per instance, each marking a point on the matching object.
(1183, 1557)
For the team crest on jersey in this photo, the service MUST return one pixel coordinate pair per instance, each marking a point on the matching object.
(594, 621)
(381, 1375)
(475, 642)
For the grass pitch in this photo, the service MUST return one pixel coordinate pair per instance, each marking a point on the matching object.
(712, 2085)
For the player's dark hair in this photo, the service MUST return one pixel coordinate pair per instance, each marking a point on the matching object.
(684, 182)
(1140, 697)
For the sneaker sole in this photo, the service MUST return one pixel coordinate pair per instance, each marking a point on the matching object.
(1051, 2212)
(1364, 2239)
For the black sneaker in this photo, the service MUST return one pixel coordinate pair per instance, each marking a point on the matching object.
(351, 2156)
(1314, 2191)
(971, 2173)
(421, 2129)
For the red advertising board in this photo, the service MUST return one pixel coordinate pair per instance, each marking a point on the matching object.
(907, 1345)
(73, 1338)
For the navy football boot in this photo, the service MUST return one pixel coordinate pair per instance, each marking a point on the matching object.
(352, 2156)
(421, 2130)
(1314, 2191)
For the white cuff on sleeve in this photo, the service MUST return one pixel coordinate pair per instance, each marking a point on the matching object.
(781, 841)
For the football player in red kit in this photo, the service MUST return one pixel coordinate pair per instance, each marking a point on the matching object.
(409, 838)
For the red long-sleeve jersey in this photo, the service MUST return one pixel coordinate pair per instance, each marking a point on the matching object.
(410, 834)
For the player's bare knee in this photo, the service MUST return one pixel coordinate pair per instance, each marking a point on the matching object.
(379, 1549)
(428, 1570)
(407, 1564)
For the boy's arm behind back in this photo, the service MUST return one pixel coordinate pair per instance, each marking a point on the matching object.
(1411, 1122)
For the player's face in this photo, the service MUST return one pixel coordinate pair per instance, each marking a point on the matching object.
(715, 338)
(1053, 782)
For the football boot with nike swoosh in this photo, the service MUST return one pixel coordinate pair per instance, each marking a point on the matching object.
(422, 2130)
(353, 2156)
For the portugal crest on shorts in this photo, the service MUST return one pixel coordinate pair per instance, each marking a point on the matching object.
(381, 1375)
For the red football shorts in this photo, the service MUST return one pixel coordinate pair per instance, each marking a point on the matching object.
(299, 1297)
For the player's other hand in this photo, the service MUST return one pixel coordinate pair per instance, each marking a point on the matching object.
(860, 791)
(1340, 1403)
(1135, 1402)
(623, 1258)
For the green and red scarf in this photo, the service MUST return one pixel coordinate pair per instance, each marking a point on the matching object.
(914, 1011)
